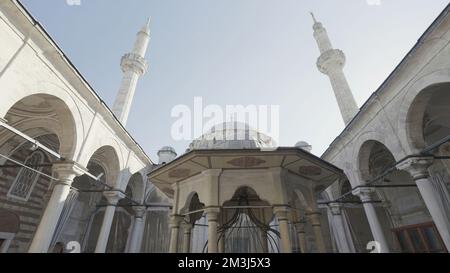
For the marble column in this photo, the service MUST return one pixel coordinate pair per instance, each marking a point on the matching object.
(175, 223)
(113, 197)
(283, 220)
(365, 194)
(138, 229)
(65, 174)
(432, 195)
(316, 224)
(187, 232)
(213, 223)
(301, 233)
(344, 242)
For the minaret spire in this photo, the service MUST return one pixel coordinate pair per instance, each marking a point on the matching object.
(314, 17)
(133, 66)
(331, 63)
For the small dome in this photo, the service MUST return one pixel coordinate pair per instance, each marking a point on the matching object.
(232, 135)
(304, 146)
(166, 154)
(167, 149)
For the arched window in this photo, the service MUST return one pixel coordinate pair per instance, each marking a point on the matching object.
(26, 179)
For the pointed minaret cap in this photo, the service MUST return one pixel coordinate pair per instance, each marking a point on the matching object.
(146, 28)
(317, 25)
(314, 17)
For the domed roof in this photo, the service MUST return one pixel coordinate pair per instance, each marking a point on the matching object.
(167, 149)
(304, 146)
(232, 135)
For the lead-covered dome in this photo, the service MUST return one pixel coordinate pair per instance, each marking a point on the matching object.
(232, 135)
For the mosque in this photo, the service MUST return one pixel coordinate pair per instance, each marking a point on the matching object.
(73, 179)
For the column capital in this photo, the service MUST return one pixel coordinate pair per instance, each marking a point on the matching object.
(66, 171)
(139, 211)
(212, 172)
(176, 220)
(300, 227)
(281, 212)
(335, 208)
(113, 196)
(314, 218)
(365, 193)
(187, 227)
(417, 166)
(213, 214)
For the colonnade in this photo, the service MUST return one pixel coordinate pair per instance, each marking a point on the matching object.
(216, 243)
(65, 173)
(435, 200)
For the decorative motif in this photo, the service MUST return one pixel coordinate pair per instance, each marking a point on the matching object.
(310, 170)
(246, 162)
(179, 173)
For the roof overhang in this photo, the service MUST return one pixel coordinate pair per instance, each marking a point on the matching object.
(294, 160)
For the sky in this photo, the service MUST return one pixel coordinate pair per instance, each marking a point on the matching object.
(236, 52)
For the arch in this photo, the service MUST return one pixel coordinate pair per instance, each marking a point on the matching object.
(406, 115)
(225, 196)
(387, 139)
(99, 143)
(137, 186)
(425, 116)
(62, 118)
(193, 204)
(107, 158)
(191, 199)
(370, 152)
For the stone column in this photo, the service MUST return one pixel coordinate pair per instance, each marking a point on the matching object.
(175, 223)
(345, 244)
(301, 233)
(187, 231)
(138, 229)
(281, 213)
(65, 174)
(316, 224)
(213, 223)
(113, 197)
(365, 194)
(432, 196)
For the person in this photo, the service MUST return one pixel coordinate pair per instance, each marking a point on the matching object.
(58, 248)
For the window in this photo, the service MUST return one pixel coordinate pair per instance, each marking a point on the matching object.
(26, 179)
(422, 238)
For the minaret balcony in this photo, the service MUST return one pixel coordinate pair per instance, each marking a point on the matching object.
(135, 63)
(331, 60)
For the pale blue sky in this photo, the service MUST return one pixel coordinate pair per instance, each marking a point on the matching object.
(236, 52)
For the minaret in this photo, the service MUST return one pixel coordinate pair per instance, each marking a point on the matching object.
(331, 63)
(133, 66)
